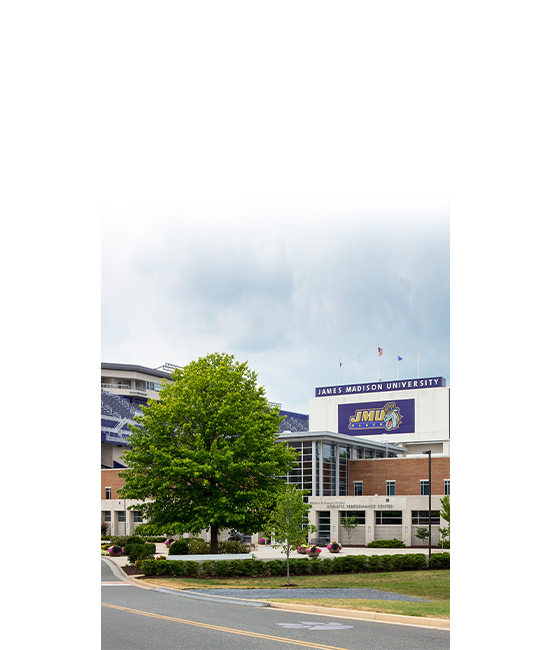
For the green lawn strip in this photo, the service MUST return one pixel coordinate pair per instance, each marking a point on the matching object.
(433, 586)
(430, 610)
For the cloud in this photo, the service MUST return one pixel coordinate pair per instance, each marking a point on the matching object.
(291, 300)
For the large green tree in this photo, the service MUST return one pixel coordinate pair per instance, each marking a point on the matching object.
(205, 456)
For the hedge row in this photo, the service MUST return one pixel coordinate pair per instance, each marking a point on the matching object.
(298, 566)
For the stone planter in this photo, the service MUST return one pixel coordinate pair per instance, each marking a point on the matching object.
(302, 551)
(314, 554)
(337, 550)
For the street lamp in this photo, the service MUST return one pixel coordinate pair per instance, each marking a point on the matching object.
(429, 506)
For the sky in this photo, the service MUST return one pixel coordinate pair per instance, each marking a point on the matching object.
(278, 190)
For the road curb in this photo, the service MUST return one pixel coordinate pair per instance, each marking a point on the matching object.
(125, 577)
(399, 619)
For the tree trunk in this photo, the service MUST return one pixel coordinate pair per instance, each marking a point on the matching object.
(287, 569)
(214, 539)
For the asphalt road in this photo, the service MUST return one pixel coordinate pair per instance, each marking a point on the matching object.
(134, 618)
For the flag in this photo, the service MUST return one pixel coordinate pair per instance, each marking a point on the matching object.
(380, 351)
(419, 357)
(399, 358)
(340, 364)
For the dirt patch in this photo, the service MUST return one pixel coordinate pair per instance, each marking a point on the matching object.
(132, 570)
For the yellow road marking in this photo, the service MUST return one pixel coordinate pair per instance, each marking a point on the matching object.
(225, 629)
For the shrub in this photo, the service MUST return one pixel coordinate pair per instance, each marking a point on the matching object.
(321, 566)
(139, 551)
(198, 546)
(409, 562)
(228, 568)
(231, 546)
(444, 543)
(340, 564)
(276, 567)
(386, 543)
(124, 540)
(440, 561)
(181, 547)
(208, 568)
(298, 566)
(356, 563)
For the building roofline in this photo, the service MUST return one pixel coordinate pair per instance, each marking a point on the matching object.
(130, 367)
(341, 437)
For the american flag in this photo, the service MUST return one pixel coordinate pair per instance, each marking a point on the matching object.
(380, 352)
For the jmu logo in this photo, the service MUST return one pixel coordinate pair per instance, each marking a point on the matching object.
(388, 418)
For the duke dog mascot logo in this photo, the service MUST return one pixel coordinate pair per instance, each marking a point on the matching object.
(392, 416)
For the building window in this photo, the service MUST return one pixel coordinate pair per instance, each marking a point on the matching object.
(122, 516)
(301, 474)
(329, 469)
(390, 488)
(386, 518)
(137, 517)
(107, 492)
(421, 518)
(358, 515)
(107, 517)
(358, 488)
(447, 487)
(323, 524)
(344, 454)
(425, 488)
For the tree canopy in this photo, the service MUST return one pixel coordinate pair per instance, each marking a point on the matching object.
(205, 454)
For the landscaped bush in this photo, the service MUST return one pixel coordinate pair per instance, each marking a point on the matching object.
(386, 543)
(409, 562)
(231, 546)
(276, 567)
(297, 566)
(139, 551)
(198, 546)
(356, 563)
(320, 567)
(440, 561)
(380, 562)
(124, 540)
(181, 547)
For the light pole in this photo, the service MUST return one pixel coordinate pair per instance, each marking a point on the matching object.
(429, 507)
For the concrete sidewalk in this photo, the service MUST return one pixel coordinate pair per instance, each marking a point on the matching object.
(263, 552)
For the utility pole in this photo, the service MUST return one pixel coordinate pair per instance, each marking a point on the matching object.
(429, 507)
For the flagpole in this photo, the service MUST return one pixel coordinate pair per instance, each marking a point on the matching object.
(397, 364)
(419, 363)
(358, 369)
(378, 359)
(339, 371)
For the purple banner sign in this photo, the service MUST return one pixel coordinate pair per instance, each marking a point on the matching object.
(374, 418)
(381, 386)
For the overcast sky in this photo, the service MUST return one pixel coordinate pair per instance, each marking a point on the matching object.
(278, 190)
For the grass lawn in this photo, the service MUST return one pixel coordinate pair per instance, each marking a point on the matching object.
(434, 586)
